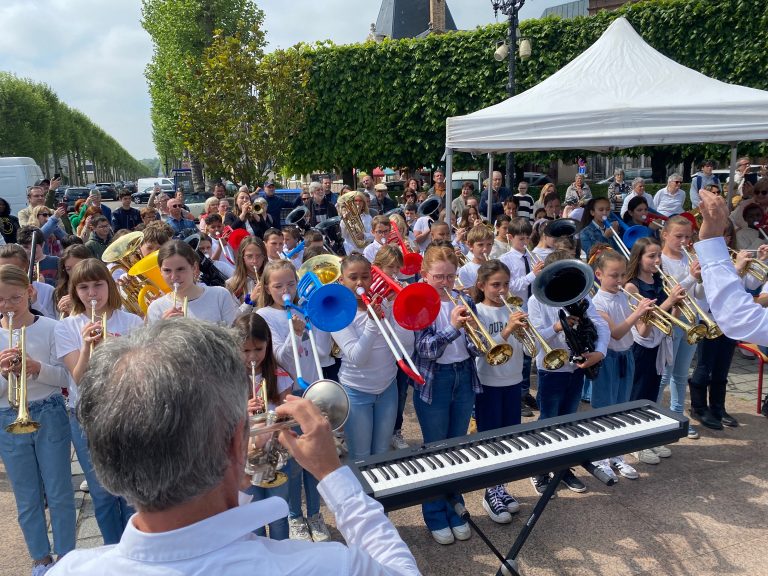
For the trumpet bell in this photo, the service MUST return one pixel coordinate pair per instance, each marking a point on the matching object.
(22, 426)
(499, 354)
(123, 249)
(555, 359)
(296, 215)
(411, 263)
(416, 306)
(563, 283)
(429, 207)
(634, 233)
(326, 267)
(331, 399)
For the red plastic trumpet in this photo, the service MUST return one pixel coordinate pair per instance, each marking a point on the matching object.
(415, 307)
(411, 260)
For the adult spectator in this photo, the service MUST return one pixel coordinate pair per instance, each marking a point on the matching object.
(181, 226)
(579, 190)
(525, 201)
(328, 190)
(670, 200)
(438, 180)
(383, 202)
(320, 207)
(367, 183)
(548, 188)
(91, 206)
(459, 203)
(275, 204)
(638, 189)
(225, 211)
(497, 197)
(49, 189)
(618, 190)
(246, 217)
(744, 186)
(125, 217)
(703, 178)
(100, 237)
(183, 474)
(49, 221)
(9, 225)
(35, 197)
(219, 190)
(154, 196)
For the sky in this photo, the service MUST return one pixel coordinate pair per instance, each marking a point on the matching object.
(93, 53)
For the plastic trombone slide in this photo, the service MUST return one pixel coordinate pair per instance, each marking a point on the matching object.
(313, 345)
(303, 384)
(413, 373)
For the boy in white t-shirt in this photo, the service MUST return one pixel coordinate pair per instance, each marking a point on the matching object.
(381, 228)
(480, 241)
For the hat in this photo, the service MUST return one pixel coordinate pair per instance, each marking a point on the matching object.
(380, 186)
(269, 182)
(43, 182)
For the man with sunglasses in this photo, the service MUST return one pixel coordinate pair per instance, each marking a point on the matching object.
(669, 200)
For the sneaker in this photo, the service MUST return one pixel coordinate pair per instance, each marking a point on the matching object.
(540, 483)
(647, 456)
(318, 528)
(693, 434)
(341, 444)
(509, 501)
(84, 486)
(624, 469)
(662, 451)
(494, 506)
(525, 411)
(530, 401)
(40, 569)
(398, 442)
(728, 420)
(573, 483)
(443, 536)
(604, 467)
(297, 529)
(462, 531)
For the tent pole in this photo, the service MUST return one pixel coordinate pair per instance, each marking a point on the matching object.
(732, 177)
(448, 184)
(490, 188)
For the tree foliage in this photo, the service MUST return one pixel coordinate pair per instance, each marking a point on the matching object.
(386, 103)
(37, 124)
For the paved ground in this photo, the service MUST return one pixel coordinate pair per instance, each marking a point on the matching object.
(702, 512)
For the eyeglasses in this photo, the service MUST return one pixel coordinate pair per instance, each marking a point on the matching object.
(761, 192)
(13, 300)
(45, 214)
(443, 277)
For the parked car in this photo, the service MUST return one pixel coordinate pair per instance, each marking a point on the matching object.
(632, 173)
(143, 196)
(73, 194)
(536, 178)
(196, 203)
(107, 189)
(130, 186)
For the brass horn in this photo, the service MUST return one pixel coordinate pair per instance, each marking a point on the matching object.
(123, 253)
(17, 388)
(350, 215)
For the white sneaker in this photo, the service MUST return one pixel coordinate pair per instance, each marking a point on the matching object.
(624, 469)
(297, 529)
(606, 469)
(443, 536)
(398, 442)
(317, 527)
(40, 569)
(662, 451)
(462, 532)
(84, 486)
(647, 456)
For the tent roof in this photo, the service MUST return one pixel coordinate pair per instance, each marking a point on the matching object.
(619, 93)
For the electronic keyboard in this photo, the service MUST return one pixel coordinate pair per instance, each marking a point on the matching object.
(406, 477)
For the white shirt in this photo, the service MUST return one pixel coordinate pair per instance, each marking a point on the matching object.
(40, 346)
(499, 249)
(281, 344)
(225, 544)
(734, 310)
(216, 304)
(69, 339)
(544, 317)
(633, 194)
(44, 303)
(371, 250)
(468, 274)
(519, 281)
(367, 364)
(669, 204)
(456, 350)
(616, 306)
(494, 319)
(421, 225)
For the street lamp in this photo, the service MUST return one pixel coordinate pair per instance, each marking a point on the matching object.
(510, 9)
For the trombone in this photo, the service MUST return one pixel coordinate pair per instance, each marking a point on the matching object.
(690, 308)
(663, 320)
(17, 386)
(495, 354)
(755, 268)
(184, 302)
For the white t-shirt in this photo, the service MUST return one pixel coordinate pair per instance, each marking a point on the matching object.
(44, 303)
(468, 274)
(216, 304)
(493, 319)
(284, 383)
(455, 351)
(69, 339)
(371, 250)
(616, 306)
(40, 346)
(421, 225)
(281, 344)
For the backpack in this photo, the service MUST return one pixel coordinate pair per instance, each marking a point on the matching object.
(698, 178)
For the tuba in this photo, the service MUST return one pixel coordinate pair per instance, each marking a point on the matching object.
(123, 253)
(147, 272)
(350, 215)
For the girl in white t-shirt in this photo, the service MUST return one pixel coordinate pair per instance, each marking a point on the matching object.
(261, 363)
(499, 404)
(71, 256)
(90, 281)
(179, 267)
(245, 284)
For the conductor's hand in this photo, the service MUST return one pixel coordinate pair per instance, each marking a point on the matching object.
(314, 450)
(715, 213)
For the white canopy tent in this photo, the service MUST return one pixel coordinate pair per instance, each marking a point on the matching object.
(619, 93)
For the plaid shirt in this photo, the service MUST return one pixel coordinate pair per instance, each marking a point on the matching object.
(430, 344)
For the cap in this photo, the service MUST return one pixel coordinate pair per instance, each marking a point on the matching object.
(380, 186)
(571, 201)
(269, 183)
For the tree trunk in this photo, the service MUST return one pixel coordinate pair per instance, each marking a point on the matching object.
(348, 177)
(659, 165)
(198, 179)
(687, 163)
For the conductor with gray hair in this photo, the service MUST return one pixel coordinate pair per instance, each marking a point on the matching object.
(164, 412)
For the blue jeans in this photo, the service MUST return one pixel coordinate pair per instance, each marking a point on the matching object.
(498, 407)
(371, 419)
(403, 382)
(676, 375)
(525, 385)
(559, 393)
(614, 381)
(278, 530)
(112, 512)
(586, 390)
(446, 417)
(296, 477)
(38, 467)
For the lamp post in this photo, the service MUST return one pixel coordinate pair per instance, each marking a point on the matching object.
(510, 9)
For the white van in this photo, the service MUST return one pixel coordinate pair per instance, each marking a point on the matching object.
(16, 175)
(144, 183)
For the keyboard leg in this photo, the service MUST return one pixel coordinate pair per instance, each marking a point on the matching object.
(508, 565)
(533, 518)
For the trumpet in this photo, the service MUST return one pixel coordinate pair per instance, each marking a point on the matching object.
(664, 321)
(554, 359)
(691, 309)
(755, 268)
(101, 330)
(532, 257)
(17, 387)
(184, 302)
(495, 354)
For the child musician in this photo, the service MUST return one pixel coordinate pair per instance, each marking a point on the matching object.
(480, 242)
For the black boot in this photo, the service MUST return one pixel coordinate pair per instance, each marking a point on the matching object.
(706, 418)
(717, 404)
(698, 391)
(764, 407)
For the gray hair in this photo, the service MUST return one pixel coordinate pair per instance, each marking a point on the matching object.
(674, 176)
(618, 171)
(636, 181)
(160, 407)
(314, 186)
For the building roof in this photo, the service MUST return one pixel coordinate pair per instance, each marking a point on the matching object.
(407, 18)
(568, 10)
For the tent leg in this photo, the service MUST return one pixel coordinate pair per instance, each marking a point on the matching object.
(732, 177)
(448, 184)
(490, 188)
